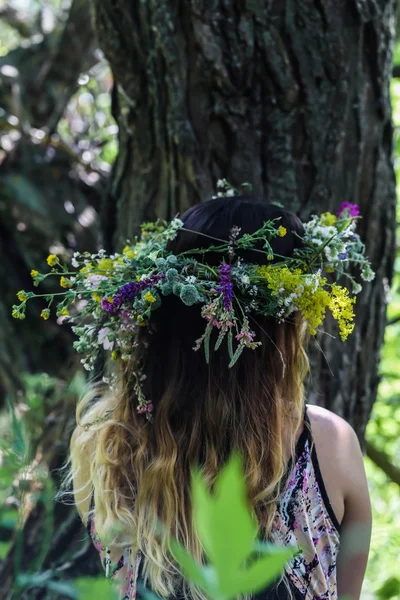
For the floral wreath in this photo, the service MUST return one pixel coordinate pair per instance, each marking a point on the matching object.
(108, 297)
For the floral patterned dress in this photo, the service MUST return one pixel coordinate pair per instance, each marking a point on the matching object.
(304, 519)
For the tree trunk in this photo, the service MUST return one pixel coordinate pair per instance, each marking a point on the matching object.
(292, 97)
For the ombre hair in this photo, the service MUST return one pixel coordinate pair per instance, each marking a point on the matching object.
(140, 471)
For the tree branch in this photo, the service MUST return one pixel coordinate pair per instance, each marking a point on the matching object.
(393, 321)
(13, 18)
(382, 461)
(48, 71)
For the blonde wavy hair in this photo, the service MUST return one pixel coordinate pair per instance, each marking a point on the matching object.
(139, 472)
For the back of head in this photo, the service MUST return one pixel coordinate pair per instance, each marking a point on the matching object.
(202, 412)
(207, 410)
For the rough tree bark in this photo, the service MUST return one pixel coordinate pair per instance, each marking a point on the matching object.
(292, 97)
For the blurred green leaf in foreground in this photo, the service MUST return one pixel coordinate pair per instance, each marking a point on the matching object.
(228, 532)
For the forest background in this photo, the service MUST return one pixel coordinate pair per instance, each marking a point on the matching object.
(50, 201)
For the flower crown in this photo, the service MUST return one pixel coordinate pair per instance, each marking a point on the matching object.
(108, 298)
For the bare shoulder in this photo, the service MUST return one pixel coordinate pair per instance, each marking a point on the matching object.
(342, 466)
(339, 454)
(331, 429)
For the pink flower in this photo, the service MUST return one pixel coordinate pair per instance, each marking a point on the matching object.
(246, 335)
(353, 210)
(148, 408)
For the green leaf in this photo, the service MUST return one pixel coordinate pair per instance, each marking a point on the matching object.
(19, 444)
(9, 519)
(261, 573)
(236, 356)
(94, 587)
(214, 515)
(227, 530)
(220, 339)
(191, 569)
(206, 342)
(230, 344)
(390, 589)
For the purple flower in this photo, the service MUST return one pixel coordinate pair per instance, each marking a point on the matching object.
(128, 292)
(342, 255)
(225, 285)
(353, 210)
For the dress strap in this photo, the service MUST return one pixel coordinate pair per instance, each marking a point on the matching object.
(304, 436)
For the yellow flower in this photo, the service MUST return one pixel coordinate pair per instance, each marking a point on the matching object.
(86, 269)
(65, 282)
(96, 297)
(328, 219)
(45, 314)
(114, 354)
(149, 297)
(341, 306)
(313, 305)
(64, 312)
(17, 314)
(282, 231)
(52, 260)
(34, 274)
(128, 252)
(105, 264)
(21, 295)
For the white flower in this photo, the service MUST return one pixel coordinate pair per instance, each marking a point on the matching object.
(367, 273)
(356, 288)
(94, 281)
(221, 183)
(74, 262)
(191, 279)
(331, 253)
(330, 231)
(230, 192)
(176, 223)
(289, 300)
(253, 291)
(245, 279)
(102, 338)
(308, 281)
(299, 290)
